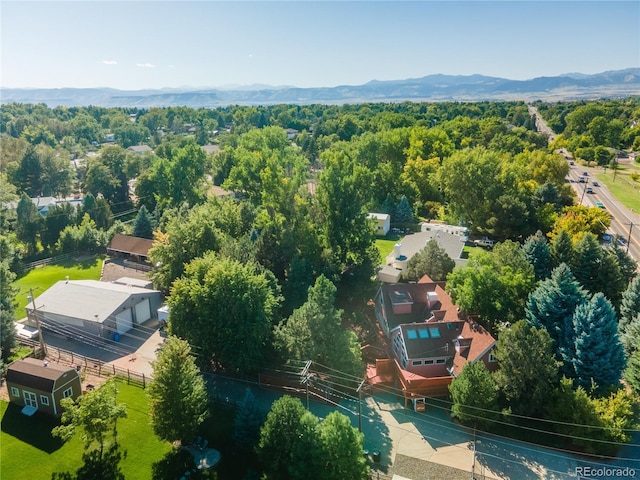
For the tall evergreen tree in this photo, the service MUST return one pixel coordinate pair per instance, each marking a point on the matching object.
(536, 249)
(246, 429)
(551, 306)
(29, 223)
(528, 367)
(562, 249)
(630, 305)
(404, 212)
(432, 260)
(586, 262)
(143, 224)
(8, 293)
(599, 356)
(632, 373)
(177, 393)
(314, 332)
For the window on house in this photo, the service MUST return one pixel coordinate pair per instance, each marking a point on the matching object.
(428, 362)
(15, 392)
(44, 400)
(440, 360)
(67, 393)
(416, 363)
(492, 359)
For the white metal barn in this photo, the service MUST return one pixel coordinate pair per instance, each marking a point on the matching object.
(78, 307)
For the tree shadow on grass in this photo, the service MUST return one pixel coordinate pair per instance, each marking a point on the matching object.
(174, 465)
(96, 467)
(34, 430)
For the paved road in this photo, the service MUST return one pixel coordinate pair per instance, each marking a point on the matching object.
(624, 223)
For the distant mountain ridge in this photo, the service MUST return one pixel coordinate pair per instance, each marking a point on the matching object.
(433, 88)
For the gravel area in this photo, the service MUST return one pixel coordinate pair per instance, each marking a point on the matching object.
(416, 469)
(113, 269)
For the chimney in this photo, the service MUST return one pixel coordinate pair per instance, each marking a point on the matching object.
(46, 364)
(67, 279)
(396, 250)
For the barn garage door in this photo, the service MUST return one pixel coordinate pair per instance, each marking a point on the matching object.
(124, 321)
(143, 311)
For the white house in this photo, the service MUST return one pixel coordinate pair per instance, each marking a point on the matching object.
(383, 222)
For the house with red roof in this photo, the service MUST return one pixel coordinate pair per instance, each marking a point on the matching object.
(430, 339)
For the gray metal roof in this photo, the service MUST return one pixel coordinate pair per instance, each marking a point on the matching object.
(89, 300)
(412, 244)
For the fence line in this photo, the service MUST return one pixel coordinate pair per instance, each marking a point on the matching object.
(89, 365)
(47, 261)
(138, 266)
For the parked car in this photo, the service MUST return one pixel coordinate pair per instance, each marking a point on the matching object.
(606, 238)
(484, 242)
(622, 241)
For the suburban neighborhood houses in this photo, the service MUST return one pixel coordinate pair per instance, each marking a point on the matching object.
(395, 291)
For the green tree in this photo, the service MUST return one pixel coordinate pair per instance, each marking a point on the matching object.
(225, 310)
(29, 223)
(493, 284)
(528, 368)
(246, 426)
(632, 373)
(57, 219)
(432, 260)
(278, 436)
(599, 355)
(8, 292)
(314, 332)
(177, 392)
(143, 224)
(474, 394)
(342, 448)
(551, 306)
(188, 234)
(536, 249)
(630, 305)
(403, 211)
(562, 249)
(95, 414)
(28, 176)
(307, 462)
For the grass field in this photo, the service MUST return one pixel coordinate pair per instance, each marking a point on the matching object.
(40, 279)
(385, 245)
(624, 189)
(30, 452)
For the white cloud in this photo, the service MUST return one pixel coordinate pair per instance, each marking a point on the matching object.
(109, 62)
(145, 65)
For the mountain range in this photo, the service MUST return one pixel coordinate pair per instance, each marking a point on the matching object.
(432, 88)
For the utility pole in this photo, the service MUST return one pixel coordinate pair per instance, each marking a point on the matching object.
(43, 347)
(586, 182)
(359, 390)
(473, 462)
(305, 379)
(629, 237)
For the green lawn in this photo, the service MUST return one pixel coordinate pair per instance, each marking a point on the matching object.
(624, 189)
(30, 452)
(40, 279)
(385, 245)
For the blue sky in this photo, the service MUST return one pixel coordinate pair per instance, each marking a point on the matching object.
(156, 44)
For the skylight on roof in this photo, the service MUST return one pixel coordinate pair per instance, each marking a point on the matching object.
(423, 332)
(435, 332)
(412, 334)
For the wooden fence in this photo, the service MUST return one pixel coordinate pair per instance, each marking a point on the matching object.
(86, 364)
(48, 261)
(143, 267)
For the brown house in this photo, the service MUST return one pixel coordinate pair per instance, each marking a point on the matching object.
(128, 246)
(39, 386)
(430, 338)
